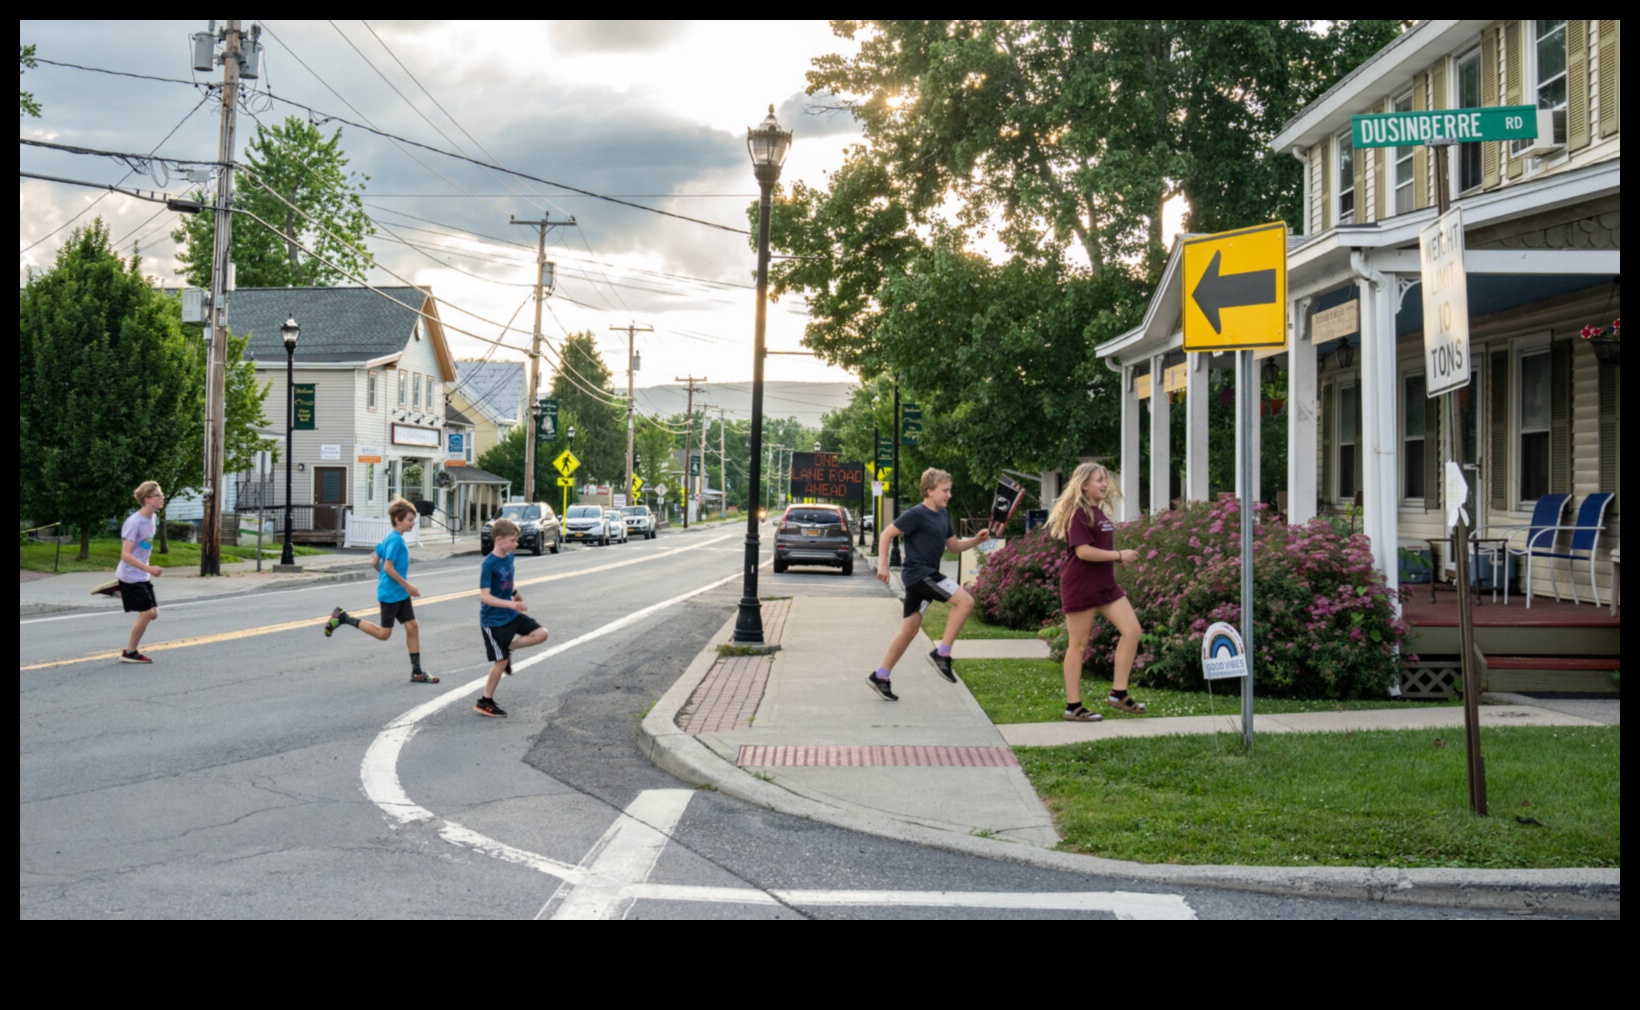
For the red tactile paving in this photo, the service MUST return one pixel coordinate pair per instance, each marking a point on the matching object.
(729, 696)
(870, 756)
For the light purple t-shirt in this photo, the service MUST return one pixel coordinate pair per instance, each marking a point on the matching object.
(139, 529)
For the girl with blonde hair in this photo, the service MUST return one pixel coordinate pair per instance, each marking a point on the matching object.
(1087, 586)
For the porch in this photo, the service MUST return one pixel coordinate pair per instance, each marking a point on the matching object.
(1553, 646)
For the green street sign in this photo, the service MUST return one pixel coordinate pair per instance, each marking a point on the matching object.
(694, 466)
(910, 423)
(302, 416)
(1459, 126)
(546, 421)
(885, 451)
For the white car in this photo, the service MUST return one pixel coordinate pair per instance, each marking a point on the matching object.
(615, 523)
(640, 522)
(585, 524)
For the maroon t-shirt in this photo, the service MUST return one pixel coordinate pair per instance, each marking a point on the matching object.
(1086, 584)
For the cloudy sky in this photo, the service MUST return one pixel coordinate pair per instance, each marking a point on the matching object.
(653, 112)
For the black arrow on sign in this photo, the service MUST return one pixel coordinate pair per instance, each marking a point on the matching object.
(1215, 291)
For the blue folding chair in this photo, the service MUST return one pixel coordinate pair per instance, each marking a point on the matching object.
(1539, 534)
(1585, 533)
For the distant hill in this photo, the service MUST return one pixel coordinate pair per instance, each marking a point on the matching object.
(806, 401)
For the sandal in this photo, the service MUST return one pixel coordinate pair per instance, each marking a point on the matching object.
(1081, 714)
(1127, 705)
(422, 678)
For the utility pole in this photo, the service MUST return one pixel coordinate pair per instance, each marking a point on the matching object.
(723, 459)
(688, 435)
(631, 366)
(210, 531)
(545, 279)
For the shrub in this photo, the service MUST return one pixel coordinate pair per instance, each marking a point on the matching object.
(1324, 627)
(1019, 585)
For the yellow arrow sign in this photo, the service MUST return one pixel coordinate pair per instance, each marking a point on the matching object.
(637, 484)
(566, 482)
(1235, 289)
(566, 463)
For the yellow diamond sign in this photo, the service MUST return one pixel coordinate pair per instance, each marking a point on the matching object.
(1235, 289)
(566, 463)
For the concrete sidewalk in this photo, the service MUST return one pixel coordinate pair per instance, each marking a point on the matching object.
(800, 732)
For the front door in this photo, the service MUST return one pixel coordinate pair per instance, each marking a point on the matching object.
(329, 496)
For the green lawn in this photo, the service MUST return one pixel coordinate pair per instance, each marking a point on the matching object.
(105, 554)
(1033, 690)
(1356, 799)
(934, 625)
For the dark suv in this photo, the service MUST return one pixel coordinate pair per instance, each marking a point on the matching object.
(537, 527)
(813, 535)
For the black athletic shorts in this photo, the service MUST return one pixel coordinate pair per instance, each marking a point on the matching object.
(918, 595)
(400, 611)
(498, 641)
(138, 596)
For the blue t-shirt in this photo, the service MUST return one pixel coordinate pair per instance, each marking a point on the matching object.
(392, 549)
(925, 532)
(497, 577)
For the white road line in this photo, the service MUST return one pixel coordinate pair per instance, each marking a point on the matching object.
(1121, 904)
(626, 854)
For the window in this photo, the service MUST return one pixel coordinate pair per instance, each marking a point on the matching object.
(403, 392)
(1532, 424)
(1404, 197)
(1348, 408)
(370, 387)
(431, 403)
(1346, 178)
(1414, 414)
(415, 391)
(370, 483)
(1547, 81)
(1469, 97)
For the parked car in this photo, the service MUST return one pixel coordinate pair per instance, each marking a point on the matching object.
(639, 521)
(585, 524)
(615, 525)
(538, 527)
(813, 535)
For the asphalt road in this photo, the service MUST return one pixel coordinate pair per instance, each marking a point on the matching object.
(258, 769)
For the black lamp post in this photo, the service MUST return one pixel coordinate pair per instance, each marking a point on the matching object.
(291, 332)
(767, 143)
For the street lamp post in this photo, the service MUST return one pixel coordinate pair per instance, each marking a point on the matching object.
(767, 143)
(291, 332)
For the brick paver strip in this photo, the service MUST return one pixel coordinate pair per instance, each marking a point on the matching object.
(873, 756)
(729, 695)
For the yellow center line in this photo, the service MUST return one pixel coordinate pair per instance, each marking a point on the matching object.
(310, 622)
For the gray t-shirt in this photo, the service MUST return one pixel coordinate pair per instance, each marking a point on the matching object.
(926, 532)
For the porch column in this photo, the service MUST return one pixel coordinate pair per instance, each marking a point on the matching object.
(1199, 370)
(1303, 403)
(1161, 438)
(1130, 445)
(1379, 512)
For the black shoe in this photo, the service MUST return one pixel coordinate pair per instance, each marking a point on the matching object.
(943, 664)
(881, 688)
(508, 670)
(338, 617)
(487, 706)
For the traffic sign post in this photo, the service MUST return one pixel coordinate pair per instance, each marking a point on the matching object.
(1235, 286)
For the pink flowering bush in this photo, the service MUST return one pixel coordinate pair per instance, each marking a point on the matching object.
(1324, 623)
(1019, 585)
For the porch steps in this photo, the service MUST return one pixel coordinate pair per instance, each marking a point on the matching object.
(1582, 674)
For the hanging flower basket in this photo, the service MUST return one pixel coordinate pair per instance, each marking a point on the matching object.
(1606, 343)
(442, 479)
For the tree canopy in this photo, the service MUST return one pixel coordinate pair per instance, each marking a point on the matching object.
(1003, 213)
(583, 388)
(26, 104)
(293, 192)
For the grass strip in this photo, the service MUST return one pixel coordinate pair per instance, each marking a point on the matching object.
(934, 625)
(105, 554)
(1033, 690)
(1381, 798)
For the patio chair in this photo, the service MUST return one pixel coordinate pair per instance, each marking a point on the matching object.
(1585, 532)
(1522, 540)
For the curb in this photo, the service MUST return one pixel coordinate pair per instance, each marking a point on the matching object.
(1583, 892)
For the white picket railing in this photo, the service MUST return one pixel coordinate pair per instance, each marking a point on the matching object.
(364, 531)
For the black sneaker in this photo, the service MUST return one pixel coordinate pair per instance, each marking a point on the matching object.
(487, 706)
(337, 619)
(881, 688)
(943, 664)
(508, 670)
(133, 656)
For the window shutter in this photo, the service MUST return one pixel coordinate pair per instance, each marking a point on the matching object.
(1560, 417)
(1420, 154)
(1323, 155)
(1609, 421)
(1577, 84)
(1491, 153)
(1434, 452)
(1386, 185)
(1497, 460)
(1514, 74)
(1329, 406)
(1609, 77)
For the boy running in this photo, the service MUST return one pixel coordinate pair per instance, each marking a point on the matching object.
(501, 614)
(134, 571)
(393, 592)
(928, 535)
